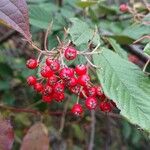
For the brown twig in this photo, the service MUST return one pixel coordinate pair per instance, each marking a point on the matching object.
(92, 134)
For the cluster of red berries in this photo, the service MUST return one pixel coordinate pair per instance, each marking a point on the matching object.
(55, 78)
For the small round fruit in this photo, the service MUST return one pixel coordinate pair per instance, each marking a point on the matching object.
(91, 92)
(59, 88)
(66, 73)
(46, 99)
(83, 79)
(105, 106)
(46, 72)
(38, 87)
(123, 7)
(91, 103)
(72, 82)
(48, 61)
(52, 80)
(77, 109)
(32, 63)
(47, 91)
(55, 65)
(81, 69)
(31, 80)
(59, 97)
(75, 89)
(70, 53)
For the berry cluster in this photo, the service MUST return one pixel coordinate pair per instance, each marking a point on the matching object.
(56, 77)
(123, 8)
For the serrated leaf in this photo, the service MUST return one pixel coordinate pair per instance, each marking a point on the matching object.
(6, 135)
(36, 138)
(81, 33)
(15, 14)
(147, 49)
(127, 85)
(117, 48)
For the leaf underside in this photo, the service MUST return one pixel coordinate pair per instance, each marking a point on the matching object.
(15, 14)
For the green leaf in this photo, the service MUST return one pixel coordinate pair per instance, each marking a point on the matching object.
(84, 4)
(117, 48)
(147, 49)
(136, 31)
(81, 33)
(127, 85)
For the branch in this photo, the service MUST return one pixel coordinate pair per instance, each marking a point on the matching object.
(92, 135)
(31, 111)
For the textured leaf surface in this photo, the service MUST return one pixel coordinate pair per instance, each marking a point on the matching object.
(36, 138)
(117, 48)
(147, 49)
(127, 85)
(81, 33)
(15, 14)
(6, 135)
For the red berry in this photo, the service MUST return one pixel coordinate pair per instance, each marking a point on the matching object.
(59, 97)
(46, 72)
(81, 69)
(48, 61)
(91, 103)
(32, 63)
(58, 88)
(77, 109)
(47, 90)
(52, 80)
(91, 92)
(66, 73)
(46, 99)
(31, 80)
(72, 82)
(70, 53)
(75, 89)
(55, 65)
(123, 7)
(105, 106)
(83, 79)
(99, 91)
(38, 87)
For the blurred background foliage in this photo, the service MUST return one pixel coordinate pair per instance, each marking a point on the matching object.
(112, 131)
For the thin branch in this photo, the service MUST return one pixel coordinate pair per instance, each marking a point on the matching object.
(92, 134)
(46, 35)
(62, 124)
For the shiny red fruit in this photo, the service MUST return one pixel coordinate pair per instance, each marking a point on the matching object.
(47, 90)
(100, 93)
(105, 106)
(55, 65)
(48, 61)
(81, 69)
(38, 87)
(75, 89)
(70, 53)
(91, 103)
(59, 97)
(46, 72)
(31, 63)
(52, 80)
(123, 7)
(31, 80)
(46, 99)
(58, 88)
(66, 73)
(83, 79)
(77, 109)
(91, 92)
(72, 82)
